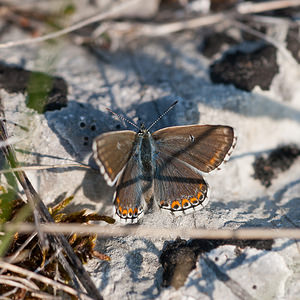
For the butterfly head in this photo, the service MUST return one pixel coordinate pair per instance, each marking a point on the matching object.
(143, 131)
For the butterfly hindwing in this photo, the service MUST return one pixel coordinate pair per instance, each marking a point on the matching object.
(112, 151)
(178, 187)
(202, 146)
(129, 199)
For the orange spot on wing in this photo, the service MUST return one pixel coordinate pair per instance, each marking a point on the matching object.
(135, 211)
(175, 204)
(202, 187)
(109, 170)
(130, 211)
(118, 200)
(199, 195)
(184, 201)
(193, 200)
(124, 212)
(212, 160)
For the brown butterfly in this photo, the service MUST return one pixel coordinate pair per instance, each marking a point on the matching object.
(164, 166)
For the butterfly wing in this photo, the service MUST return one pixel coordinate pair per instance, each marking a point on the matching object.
(178, 188)
(112, 151)
(202, 146)
(129, 196)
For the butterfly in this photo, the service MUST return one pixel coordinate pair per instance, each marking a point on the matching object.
(163, 168)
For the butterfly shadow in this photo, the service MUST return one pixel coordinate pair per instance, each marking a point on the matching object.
(77, 125)
(134, 261)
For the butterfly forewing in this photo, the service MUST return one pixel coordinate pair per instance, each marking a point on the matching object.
(202, 146)
(112, 151)
(178, 188)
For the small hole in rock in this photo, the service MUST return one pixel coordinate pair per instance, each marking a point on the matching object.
(254, 287)
(86, 138)
(216, 258)
(93, 127)
(118, 126)
(82, 124)
(85, 144)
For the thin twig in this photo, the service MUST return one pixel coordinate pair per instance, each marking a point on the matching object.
(43, 279)
(141, 231)
(241, 9)
(78, 271)
(254, 8)
(114, 12)
(11, 259)
(10, 156)
(45, 167)
(153, 30)
(25, 281)
(14, 284)
(268, 39)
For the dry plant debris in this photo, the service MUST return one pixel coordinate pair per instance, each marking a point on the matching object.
(33, 258)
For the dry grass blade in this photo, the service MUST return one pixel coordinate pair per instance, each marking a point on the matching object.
(140, 231)
(152, 30)
(43, 279)
(114, 12)
(12, 258)
(249, 7)
(161, 29)
(29, 284)
(77, 271)
(266, 38)
(45, 167)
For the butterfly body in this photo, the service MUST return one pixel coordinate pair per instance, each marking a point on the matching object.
(165, 166)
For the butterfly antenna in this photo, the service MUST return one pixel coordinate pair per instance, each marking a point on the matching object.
(122, 118)
(163, 114)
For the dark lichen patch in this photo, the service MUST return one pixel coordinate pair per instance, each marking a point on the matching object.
(44, 92)
(246, 70)
(279, 160)
(213, 43)
(179, 257)
(293, 42)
